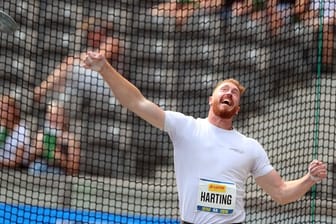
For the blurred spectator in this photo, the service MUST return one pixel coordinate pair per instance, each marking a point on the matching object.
(14, 136)
(322, 15)
(72, 83)
(282, 12)
(254, 8)
(55, 149)
(182, 9)
(228, 9)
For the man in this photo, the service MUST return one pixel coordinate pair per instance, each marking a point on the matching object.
(284, 12)
(56, 149)
(14, 135)
(212, 159)
(69, 82)
(183, 9)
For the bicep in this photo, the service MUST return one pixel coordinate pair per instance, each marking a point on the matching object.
(272, 184)
(151, 113)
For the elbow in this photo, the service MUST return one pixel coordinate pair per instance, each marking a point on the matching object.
(281, 199)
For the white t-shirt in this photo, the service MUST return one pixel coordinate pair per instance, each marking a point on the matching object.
(204, 152)
(86, 83)
(82, 86)
(19, 137)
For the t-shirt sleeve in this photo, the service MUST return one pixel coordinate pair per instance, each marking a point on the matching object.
(175, 123)
(261, 165)
(171, 118)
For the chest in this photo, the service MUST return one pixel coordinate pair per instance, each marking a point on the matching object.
(217, 155)
(221, 157)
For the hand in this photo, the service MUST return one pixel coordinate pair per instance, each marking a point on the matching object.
(94, 61)
(38, 94)
(317, 170)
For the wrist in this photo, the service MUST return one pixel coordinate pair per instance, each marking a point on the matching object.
(313, 179)
(103, 67)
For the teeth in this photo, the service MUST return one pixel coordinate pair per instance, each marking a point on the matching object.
(226, 101)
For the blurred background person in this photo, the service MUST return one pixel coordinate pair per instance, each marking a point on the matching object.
(322, 16)
(283, 12)
(14, 136)
(55, 150)
(183, 9)
(72, 83)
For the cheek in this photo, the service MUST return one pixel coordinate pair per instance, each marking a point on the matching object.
(211, 101)
(237, 100)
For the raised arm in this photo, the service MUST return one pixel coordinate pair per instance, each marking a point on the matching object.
(57, 78)
(284, 192)
(125, 92)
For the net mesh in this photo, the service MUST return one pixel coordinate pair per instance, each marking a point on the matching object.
(112, 167)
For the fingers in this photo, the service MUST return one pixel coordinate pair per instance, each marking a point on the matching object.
(94, 61)
(89, 58)
(317, 170)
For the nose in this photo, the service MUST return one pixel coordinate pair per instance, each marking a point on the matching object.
(228, 92)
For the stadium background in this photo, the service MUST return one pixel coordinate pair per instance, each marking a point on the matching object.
(126, 170)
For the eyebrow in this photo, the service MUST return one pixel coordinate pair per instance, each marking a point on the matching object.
(235, 88)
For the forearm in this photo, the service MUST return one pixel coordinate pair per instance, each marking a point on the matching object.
(212, 3)
(125, 92)
(271, 7)
(294, 190)
(73, 156)
(57, 78)
(64, 161)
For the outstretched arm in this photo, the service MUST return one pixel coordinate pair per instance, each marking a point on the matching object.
(285, 192)
(125, 92)
(57, 78)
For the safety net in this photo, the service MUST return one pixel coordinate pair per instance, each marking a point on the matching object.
(71, 153)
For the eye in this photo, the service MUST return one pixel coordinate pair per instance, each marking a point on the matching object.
(235, 92)
(224, 89)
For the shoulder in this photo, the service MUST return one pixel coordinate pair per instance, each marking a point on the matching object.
(178, 120)
(249, 141)
(177, 117)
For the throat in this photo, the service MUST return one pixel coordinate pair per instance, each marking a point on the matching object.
(225, 124)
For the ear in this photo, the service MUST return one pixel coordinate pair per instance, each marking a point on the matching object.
(238, 109)
(210, 100)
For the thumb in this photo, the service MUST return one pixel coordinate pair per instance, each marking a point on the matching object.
(94, 61)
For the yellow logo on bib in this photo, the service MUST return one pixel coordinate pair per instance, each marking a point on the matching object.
(216, 188)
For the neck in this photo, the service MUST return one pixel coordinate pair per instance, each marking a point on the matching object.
(221, 122)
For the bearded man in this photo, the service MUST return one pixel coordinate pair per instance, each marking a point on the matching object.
(212, 160)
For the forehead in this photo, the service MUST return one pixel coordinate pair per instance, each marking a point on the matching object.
(227, 84)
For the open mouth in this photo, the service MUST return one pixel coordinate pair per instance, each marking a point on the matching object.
(226, 102)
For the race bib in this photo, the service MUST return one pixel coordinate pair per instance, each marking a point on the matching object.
(216, 196)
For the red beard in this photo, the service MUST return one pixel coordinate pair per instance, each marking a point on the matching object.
(224, 113)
